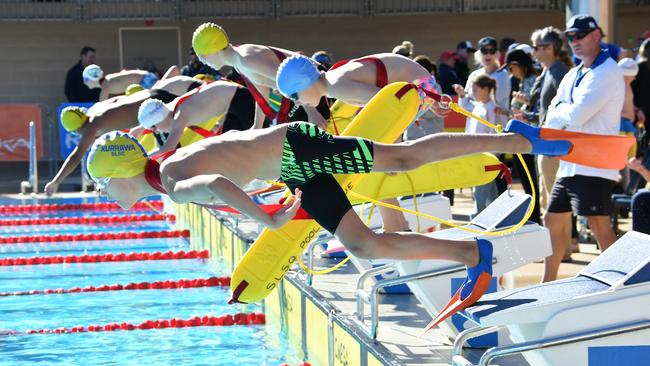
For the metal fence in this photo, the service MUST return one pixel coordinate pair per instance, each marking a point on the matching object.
(216, 9)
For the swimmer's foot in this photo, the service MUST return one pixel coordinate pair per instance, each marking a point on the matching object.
(540, 146)
(482, 269)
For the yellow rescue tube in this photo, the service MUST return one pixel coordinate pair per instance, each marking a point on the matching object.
(148, 141)
(189, 137)
(467, 171)
(342, 115)
(273, 253)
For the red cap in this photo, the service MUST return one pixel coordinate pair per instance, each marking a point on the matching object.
(445, 55)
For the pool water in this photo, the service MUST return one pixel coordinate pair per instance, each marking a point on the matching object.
(206, 345)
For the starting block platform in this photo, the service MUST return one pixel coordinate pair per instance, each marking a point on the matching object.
(599, 317)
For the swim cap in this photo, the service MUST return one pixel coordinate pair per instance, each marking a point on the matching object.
(133, 88)
(72, 118)
(92, 75)
(116, 154)
(628, 66)
(204, 77)
(209, 38)
(295, 74)
(152, 112)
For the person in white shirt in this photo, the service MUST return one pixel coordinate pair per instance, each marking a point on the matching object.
(589, 99)
(484, 90)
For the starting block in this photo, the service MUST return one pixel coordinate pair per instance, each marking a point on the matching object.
(599, 317)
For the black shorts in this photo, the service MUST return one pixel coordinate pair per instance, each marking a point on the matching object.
(162, 95)
(241, 112)
(310, 157)
(584, 195)
(324, 200)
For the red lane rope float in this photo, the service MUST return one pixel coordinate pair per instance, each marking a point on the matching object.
(94, 236)
(99, 206)
(87, 220)
(96, 258)
(197, 321)
(157, 285)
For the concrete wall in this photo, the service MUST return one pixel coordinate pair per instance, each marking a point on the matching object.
(36, 55)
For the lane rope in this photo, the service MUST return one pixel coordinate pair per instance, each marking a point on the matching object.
(94, 237)
(98, 258)
(92, 220)
(196, 321)
(156, 285)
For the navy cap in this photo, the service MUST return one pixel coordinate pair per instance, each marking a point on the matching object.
(581, 23)
(466, 45)
(487, 41)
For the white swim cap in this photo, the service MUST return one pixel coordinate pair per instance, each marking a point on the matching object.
(628, 66)
(92, 76)
(152, 112)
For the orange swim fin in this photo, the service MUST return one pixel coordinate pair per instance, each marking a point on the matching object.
(456, 304)
(597, 151)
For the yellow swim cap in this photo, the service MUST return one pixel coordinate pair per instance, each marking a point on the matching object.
(116, 154)
(209, 38)
(204, 77)
(72, 118)
(133, 88)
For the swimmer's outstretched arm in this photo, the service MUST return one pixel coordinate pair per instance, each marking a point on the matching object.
(171, 72)
(71, 162)
(259, 114)
(206, 189)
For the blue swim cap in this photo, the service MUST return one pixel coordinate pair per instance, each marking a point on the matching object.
(295, 74)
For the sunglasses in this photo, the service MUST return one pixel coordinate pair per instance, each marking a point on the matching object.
(541, 47)
(294, 97)
(577, 35)
(491, 51)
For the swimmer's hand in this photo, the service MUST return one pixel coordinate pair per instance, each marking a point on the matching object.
(51, 188)
(289, 210)
(440, 109)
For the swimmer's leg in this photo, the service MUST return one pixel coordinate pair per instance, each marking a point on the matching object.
(412, 154)
(365, 243)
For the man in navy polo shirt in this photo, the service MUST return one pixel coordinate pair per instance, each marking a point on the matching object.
(589, 99)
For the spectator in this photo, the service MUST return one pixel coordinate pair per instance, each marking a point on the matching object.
(488, 58)
(590, 98)
(447, 76)
(463, 50)
(324, 59)
(484, 90)
(195, 67)
(630, 70)
(405, 49)
(504, 47)
(641, 199)
(75, 89)
(641, 85)
(520, 65)
(547, 45)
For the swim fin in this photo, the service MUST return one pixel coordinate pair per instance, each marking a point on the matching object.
(597, 151)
